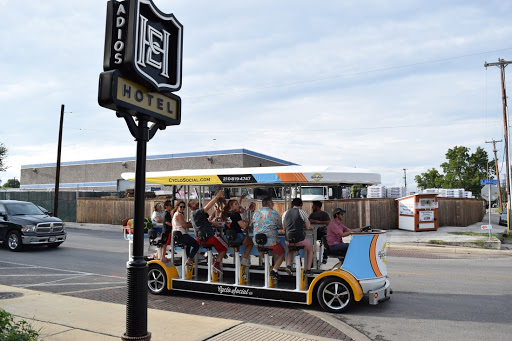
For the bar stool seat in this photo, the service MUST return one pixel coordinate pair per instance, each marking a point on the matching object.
(293, 238)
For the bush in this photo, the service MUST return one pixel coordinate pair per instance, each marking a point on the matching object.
(15, 331)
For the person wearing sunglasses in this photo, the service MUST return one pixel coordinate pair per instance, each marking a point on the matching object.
(336, 230)
(231, 214)
(200, 223)
(179, 224)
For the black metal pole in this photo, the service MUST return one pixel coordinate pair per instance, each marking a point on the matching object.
(137, 298)
(57, 170)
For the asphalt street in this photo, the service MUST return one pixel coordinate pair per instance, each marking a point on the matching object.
(436, 295)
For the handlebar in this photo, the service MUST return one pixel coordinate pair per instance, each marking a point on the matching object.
(367, 228)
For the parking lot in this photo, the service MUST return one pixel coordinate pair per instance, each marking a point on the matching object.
(55, 280)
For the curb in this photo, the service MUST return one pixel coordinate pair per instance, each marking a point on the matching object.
(447, 249)
(350, 331)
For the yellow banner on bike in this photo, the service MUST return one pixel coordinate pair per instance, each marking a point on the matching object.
(185, 180)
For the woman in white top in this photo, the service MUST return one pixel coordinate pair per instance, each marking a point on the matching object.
(157, 218)
(179, 224)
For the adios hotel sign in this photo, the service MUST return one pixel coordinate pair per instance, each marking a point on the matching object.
(142, 61)
(142, 68)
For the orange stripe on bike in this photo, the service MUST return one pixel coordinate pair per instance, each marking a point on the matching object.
(373, 256)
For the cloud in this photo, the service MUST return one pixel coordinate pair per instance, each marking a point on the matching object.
(379, 85)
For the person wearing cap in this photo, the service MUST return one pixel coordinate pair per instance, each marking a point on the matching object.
(336, 230)
(158, 216)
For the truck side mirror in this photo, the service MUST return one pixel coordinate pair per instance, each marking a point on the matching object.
(3, 215)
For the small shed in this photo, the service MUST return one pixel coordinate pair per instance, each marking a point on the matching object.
(418, 212)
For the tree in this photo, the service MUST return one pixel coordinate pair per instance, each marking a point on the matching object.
(464, 170)
(12, 183)
(461, 170)
(430, 179)
(3, 154)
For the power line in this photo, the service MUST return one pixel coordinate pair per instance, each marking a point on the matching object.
(347, 74)
(247, 131)
(332, 76)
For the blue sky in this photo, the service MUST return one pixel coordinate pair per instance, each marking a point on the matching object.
(380, 85)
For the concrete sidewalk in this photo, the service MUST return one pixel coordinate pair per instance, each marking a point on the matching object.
(59, 317)
(64, 318)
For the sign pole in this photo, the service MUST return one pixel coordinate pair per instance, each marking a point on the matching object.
(489, 206)
(490, 211)
(137, 297)
(136, 276)
(142, 63)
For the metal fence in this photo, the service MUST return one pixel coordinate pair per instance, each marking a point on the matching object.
(46, 199)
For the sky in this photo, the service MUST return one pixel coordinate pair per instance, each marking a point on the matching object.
(379, 85)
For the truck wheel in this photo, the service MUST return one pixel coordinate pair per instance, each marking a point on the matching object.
(335, 295)
(14, 242)
(157, 279)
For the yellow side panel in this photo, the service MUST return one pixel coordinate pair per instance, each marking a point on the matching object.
(351, 280)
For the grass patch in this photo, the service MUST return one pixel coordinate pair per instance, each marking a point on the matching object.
(500, 236)
(505, 237)
(483, 234)
(437, 242)
(480, 243)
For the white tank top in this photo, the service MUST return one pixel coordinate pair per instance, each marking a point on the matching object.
(176, 226)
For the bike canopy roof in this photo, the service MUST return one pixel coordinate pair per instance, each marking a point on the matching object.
(279, 175)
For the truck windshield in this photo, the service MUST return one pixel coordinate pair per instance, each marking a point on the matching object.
(312, 191)
(23, 208)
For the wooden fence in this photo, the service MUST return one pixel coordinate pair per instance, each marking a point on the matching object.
(460, 212)
(380, 213)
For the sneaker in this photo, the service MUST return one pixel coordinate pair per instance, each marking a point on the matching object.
(274, 275)
(245, 261)
(217, 268)
(288, 270)
(308, 272)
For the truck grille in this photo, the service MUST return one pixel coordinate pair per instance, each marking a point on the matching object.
(49, 227)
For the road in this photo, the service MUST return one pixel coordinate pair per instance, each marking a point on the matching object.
(436, 296)
(441, 299)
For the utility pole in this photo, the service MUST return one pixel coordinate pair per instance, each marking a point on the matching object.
(405, 181)
(502, 64)
(57, 170)
(497, 172)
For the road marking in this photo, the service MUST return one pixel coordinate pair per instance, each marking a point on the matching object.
(37, 275)
(89, 290)
(62, 284)
(56, 269)
(447, 275)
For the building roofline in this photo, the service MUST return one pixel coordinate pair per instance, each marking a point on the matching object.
(165, 156)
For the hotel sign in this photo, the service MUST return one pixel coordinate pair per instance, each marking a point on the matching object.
(142, 61)
(121, 94)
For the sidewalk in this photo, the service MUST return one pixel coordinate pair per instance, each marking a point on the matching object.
(64, 318)
(60, 317)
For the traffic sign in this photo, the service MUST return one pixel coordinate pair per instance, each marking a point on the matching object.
(489, 182)
(485, 192)
(486, 227)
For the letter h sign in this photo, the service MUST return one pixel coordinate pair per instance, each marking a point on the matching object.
(147, 46)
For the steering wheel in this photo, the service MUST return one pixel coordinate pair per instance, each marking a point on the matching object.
(367, 228)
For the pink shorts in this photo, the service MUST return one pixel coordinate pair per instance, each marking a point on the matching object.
(218, 243)
(277, 249)
(304, 243)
